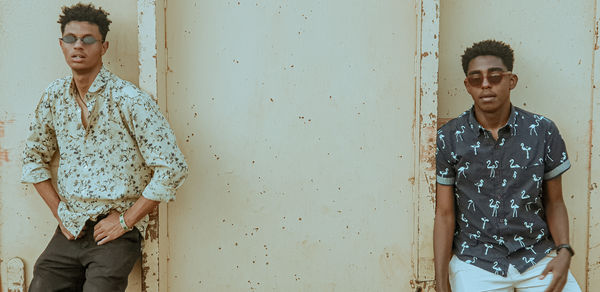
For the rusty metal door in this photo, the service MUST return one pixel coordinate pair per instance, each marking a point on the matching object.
(556, 46)
(309, 129)
(30, 58)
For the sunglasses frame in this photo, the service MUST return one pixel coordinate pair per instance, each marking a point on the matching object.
(79, 38)
(497, 77)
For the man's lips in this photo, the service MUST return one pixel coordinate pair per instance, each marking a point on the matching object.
(77, 57)
(487, 97)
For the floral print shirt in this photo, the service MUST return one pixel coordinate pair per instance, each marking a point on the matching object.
(128, 149)
(500, 218)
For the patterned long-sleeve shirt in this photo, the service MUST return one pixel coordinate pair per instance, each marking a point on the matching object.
(128, 149)
(498, 187)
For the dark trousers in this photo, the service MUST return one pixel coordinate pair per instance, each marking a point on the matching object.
(82, 265)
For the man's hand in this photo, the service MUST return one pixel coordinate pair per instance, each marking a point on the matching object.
(108, 229)
(559, 267)
(66, 232)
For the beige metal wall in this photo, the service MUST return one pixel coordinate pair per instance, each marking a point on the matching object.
(554, 45)
(297, 119)
(30, 58)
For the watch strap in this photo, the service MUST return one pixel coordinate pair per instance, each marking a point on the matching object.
(567, 247)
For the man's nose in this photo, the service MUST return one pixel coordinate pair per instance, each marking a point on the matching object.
(485, 83)
(78, 43)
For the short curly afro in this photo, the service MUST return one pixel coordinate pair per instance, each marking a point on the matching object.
(489, 48)
(85, 12)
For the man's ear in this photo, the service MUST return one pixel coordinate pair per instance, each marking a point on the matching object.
(514, 79)
(104, 47)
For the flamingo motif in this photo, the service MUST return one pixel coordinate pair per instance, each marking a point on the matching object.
(526, 149)
(537, 180)
(533, 126)
(445, 172)
(494, 207)
(529, 260)
(487, 246)
(548, 250)
(475, 235)
(523, 195)
(461, 170)
(492, 168)
(471, 204)
(479, 185)
(441, 137)
(497, 270)
(454, 155)
(505, 222)
(475, 146)
(512, 164)
(504, 182)
(564, 157)
(520, 240)
(502, 142)
(528, 226)
(484, 220)
(463, 219)
(471, 261)
(548, 154)
(530, 248)
(463, 245)
(500, 239)
(459, 133)
(514, 207)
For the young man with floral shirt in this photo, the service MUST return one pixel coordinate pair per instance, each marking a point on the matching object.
(500, 223)
(118, 160)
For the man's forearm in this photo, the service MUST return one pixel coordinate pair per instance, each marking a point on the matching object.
(558, 221)
(443, 233)
(140, 208)
(50, 196)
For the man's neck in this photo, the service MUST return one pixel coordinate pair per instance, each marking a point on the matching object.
(493, 121)
(84, 79)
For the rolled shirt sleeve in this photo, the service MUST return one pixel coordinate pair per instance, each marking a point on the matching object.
(41, 143)
(158, 146)
(556, 160)
(444, 165)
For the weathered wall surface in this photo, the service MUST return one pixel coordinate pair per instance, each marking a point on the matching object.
(554, 62)
(30, 58)
(297, 120)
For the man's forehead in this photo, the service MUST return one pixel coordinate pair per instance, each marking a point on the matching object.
(82, 27)
(491, 69)
(486, 63)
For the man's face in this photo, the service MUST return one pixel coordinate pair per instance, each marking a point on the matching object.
(83, 57)
(490, 98)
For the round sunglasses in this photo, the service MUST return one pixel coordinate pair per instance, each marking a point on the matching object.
(71, 39)
(493, 78)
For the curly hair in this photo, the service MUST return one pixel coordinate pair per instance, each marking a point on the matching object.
(83, 12)
(489, 48)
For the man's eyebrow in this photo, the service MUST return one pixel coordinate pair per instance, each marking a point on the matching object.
(474, 72)
(495, 69)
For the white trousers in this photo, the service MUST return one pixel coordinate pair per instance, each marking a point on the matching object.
(468, 278)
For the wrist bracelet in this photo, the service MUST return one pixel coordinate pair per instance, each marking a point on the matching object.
(567, 247)
(122, 221)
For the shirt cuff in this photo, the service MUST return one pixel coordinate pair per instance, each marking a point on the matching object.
(557, 170)
(445, 180)
(157, 192)
(35, 174)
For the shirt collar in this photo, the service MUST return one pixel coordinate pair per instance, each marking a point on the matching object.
(100, 80)
(478, 129)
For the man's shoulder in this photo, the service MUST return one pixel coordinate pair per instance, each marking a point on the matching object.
(59, 84)
(455, 124)
(125, 90)
(531, 119)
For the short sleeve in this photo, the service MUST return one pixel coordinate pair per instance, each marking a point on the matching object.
(556, 160)
(445, 173)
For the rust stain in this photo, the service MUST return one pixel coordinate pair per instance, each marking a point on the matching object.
(424, 54)
(3, 156)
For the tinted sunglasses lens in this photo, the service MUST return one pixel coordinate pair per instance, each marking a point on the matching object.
(475, 80)
(88, 40)
(69, 39)
(494, 79)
